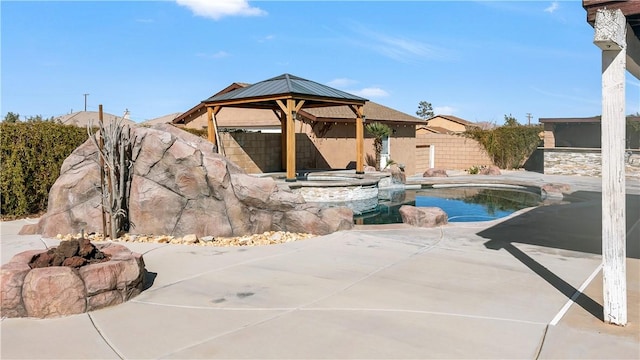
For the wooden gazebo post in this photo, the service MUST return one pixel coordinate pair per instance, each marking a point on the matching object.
(212, 126)
(610, 36)
(359, 111)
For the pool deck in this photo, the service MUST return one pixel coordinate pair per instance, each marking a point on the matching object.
(527, 286)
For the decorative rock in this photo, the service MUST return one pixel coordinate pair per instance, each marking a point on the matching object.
(554, 190)
(190, 239)
(60, 290)
(433, 172)
(369, 169)
(207, 238)
(12, 278)
(52, 292)
(109, 298)
(489, 170)
(179, 186)
(423, 216)
(397, 174)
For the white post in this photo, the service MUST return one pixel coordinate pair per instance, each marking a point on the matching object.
(610, 36)
(432, 156)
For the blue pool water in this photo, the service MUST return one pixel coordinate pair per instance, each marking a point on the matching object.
(462, 204)
(461, 211)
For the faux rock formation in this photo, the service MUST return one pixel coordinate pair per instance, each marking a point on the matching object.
(181, 186)
(423, 216)
(62, 290)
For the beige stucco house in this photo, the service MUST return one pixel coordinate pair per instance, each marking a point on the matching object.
(444, 124)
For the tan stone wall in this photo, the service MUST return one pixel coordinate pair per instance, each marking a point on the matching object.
(585, 162)
(452, 152)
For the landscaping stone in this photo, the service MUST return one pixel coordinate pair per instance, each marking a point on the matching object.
(180, 186)
(53, 292)
(397, 174)
(62, 290)
(433, 172)
(423, 216)
(554, 190)
(489, 170)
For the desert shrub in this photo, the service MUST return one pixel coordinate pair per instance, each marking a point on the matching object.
(198, 132)
(31, 154)
(508, 146)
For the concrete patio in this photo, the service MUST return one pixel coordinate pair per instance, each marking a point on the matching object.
(524, 287)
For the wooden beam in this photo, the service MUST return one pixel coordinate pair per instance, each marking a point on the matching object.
(291, 142)
(211, 134)
(282, 106)
(611, 23)
(359, 110)
(628, 7)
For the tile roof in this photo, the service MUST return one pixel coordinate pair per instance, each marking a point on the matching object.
(454, 119)
(372, 112)
(83, 118)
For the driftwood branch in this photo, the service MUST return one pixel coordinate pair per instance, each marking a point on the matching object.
(117, 164)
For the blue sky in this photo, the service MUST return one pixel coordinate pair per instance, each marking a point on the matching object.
(478, 60)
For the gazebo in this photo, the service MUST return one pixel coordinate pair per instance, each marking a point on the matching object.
(286, 95)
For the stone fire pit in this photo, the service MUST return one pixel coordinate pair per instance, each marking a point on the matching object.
(44, 292)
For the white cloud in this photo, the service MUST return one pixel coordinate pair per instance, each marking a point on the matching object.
(217, 9)
(341, 83)
(553, 7)
(444, 110)
(399, 48)
(369, 92)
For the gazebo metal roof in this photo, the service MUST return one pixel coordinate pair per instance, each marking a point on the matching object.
(262, 93)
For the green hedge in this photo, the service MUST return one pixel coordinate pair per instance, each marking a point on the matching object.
(508, 146)
(31, 154)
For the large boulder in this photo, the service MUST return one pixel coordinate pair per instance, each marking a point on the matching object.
(423, 216)
(181, 186)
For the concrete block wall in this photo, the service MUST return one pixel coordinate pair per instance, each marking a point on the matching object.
(254, 152)
(261, 152)
(452, 152)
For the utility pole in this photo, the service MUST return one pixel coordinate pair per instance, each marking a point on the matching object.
(529, 118)
(85, 101)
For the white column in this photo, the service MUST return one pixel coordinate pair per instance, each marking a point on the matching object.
(610, 36)
(432, 156)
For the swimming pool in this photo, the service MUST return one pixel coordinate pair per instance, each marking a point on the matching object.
(461, 203)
